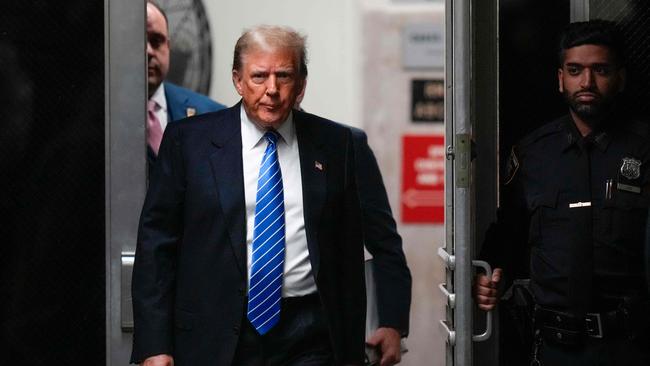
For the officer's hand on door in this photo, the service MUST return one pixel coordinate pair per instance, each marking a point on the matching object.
(486, 290)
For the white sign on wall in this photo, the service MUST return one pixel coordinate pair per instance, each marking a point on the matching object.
(423, 46)
(418, 1)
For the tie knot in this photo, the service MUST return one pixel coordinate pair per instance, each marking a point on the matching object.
(271, 136)
(151, 106)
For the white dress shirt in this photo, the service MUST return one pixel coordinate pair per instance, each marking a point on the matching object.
(161, 105)
(298, 279)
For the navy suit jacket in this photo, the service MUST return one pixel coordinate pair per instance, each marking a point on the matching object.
(392, 275)
(183, 103)
(190, 274)
(180, 101)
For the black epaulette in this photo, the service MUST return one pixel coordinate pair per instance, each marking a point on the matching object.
(519, 150)
(548, 129)
(640, 128)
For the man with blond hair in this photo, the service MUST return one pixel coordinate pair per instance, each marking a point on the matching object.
(249, 248)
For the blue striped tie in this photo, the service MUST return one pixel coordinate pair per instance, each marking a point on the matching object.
(265, 291)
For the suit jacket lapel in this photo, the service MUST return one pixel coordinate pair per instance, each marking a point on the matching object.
(176, 104)
(226, 162)
(313, 167)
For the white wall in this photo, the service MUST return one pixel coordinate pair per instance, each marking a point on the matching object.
(386, 118)
(332, 35)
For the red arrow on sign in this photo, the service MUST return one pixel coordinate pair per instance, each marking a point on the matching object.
(419, 198)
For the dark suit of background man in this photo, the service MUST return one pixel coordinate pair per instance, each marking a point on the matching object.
(577, 193)
(380, 237)
(197, 281)
(167, 102)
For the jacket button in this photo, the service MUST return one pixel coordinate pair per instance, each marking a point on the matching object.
(559, 335)
(235, 330)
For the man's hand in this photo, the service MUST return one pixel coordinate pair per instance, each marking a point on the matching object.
(387, 341)
(159, 360)
(486, 290)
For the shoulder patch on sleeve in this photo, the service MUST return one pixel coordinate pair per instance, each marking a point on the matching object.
(512, 166)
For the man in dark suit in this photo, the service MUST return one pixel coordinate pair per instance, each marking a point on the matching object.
(249, 248)
(167, 102)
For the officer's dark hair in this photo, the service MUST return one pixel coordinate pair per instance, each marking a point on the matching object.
(594, 32)
(155, 5)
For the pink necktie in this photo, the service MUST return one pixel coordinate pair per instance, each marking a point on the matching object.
(154, 129)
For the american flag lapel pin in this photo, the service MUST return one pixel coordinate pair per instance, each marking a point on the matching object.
(318, 165)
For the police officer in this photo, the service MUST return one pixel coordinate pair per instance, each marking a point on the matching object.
(576, 199)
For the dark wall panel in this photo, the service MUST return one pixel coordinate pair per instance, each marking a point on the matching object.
(52, 290)
(633, 17)
(528, 98)
(528, 90)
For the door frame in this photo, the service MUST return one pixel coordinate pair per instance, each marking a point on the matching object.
(125, 115)
(471, 114)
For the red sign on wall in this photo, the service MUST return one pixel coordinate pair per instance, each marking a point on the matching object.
(423, 179)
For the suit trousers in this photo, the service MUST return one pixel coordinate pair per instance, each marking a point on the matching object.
(301, 338)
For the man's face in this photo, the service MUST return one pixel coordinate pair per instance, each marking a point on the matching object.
(590, 80)
(157, 48)
(269, 84)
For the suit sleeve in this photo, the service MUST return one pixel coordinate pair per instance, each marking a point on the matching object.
(159, 232)
(393, 278)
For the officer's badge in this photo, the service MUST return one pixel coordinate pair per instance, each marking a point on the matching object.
(512, 166)
(631, 168)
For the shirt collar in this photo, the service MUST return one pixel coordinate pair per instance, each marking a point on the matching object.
(160, 97)
(600, 139)
(252, 134)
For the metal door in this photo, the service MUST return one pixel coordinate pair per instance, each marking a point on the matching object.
(126, 100)
(471, 105)
(472, 115)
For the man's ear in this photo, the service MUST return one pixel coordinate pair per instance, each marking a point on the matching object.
(560, 82)
(301, 93)
(237, 82)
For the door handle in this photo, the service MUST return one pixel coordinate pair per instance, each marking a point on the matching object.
(489, 316)
(451, 334)
(450, 262)
(126, 302)
(449, 259)
(451, 297)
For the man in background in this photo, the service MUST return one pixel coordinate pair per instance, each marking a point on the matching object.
(167, 102)
(391, 274)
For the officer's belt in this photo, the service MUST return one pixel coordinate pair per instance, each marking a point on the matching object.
(565, 328)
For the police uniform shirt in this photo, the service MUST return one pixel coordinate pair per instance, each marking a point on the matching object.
(584, 203)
